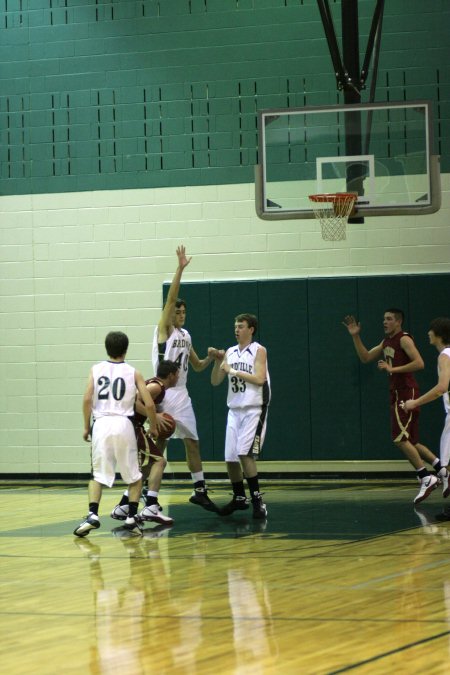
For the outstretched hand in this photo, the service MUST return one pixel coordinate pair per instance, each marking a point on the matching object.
(183, 261)
(351, 324)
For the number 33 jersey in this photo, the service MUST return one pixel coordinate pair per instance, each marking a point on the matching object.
(243, 394)
(114, 389)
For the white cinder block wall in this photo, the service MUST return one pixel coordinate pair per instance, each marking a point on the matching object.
(76, 265)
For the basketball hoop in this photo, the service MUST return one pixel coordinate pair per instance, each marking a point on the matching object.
(333, 211)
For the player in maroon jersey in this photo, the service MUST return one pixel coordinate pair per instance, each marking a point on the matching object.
(151, 460)
(398, 356)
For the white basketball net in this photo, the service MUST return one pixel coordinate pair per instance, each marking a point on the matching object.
(333, 211)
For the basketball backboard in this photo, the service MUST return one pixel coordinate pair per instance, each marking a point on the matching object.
(382, 151)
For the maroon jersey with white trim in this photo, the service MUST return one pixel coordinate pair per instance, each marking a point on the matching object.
(396, 356)
(138, 419)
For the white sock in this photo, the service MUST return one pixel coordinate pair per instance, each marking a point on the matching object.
(199, 475)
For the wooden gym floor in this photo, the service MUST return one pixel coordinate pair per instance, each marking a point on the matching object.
(345, 576)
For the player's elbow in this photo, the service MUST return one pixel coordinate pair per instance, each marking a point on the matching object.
(260, 381)
(216, 378)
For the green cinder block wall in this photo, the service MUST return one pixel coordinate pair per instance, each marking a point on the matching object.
(152, 93)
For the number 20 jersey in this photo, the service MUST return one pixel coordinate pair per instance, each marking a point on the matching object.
(243, 394)
(114, 389)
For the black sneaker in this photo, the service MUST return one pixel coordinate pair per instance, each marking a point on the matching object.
(90, 523)
(200, 497)
(259, 508)
(238, 503)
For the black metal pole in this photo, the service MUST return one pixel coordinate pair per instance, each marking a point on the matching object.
(353, 140)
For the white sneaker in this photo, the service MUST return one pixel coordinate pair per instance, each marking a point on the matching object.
(91, 522)
(132, 525)
(154, 514)
(445, 480)
(120, 512)
(427, 485)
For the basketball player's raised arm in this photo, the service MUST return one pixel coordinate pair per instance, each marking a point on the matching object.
(365, 355)
(87, 406)
(166, 320)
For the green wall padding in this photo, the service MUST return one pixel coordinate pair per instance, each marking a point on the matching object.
(326, 406)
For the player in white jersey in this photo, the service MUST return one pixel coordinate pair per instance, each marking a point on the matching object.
(248, 401)
(439, 336)
(172, 342)
(109, 400)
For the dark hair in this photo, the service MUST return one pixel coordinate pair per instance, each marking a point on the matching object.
(441, 328)
(179, 302)
(398, 313)
(165, 368)
(251, 320)
(116, 344)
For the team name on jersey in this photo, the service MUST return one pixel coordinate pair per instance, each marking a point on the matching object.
(245, 367)
(177, 344)
(389, 352)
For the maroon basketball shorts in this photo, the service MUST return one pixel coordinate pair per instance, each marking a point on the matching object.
(404, 424)
(147, 451)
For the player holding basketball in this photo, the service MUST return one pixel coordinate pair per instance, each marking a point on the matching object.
(172, 341)
(248, 401)
(401, 360)
(151, 460)
(439, 336)
(109, 398)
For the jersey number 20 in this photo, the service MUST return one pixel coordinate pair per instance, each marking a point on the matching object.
(117, 389)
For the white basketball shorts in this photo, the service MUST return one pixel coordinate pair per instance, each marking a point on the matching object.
(177, 403)
(445, 442)
(114, 444)
(245, 433)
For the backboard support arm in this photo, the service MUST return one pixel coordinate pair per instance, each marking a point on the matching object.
(330, 34)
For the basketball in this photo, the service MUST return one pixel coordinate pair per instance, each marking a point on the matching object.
(167, 433)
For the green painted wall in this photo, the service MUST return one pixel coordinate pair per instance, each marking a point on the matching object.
(325, 404)
(120, 94)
